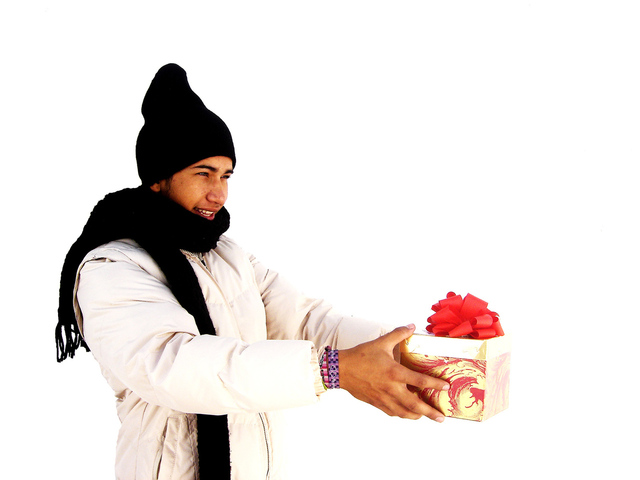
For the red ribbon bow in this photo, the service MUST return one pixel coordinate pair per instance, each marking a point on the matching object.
(456, 317)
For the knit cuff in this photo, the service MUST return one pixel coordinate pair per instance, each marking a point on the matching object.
(317, 382)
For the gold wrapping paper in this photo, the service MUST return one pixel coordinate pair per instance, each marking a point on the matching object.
(477, 371)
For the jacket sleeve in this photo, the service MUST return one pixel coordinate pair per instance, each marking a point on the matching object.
(147, 343)
(292, 315)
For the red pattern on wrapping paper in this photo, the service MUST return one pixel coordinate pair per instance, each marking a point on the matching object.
(464, 398)
(478, 395)
(459, 317)
(497, 392)
(478, 388)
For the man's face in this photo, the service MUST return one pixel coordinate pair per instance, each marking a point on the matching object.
(200, 188)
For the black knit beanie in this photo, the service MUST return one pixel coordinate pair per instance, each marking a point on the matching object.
(179, 130)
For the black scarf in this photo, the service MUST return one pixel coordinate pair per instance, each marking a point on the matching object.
(162, 228)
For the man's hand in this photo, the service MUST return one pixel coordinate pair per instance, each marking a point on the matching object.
(370, 373)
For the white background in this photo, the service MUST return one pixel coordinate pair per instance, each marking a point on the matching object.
(388, 152)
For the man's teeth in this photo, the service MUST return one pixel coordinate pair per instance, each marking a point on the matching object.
(205, 212)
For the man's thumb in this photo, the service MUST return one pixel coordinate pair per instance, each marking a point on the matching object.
(399, 334)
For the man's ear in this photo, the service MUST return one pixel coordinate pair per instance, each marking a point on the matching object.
(156, 187)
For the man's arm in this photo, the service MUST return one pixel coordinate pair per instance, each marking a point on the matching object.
(291, 315)
(368, 367)
(146, 342)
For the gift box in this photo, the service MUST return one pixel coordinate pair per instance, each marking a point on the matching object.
(476, 369)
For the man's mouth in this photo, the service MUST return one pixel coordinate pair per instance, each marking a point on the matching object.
(205, 213)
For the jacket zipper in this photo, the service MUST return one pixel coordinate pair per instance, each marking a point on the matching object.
(266, 441)
(201, 261)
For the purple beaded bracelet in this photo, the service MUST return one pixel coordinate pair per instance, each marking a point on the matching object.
(330, 368)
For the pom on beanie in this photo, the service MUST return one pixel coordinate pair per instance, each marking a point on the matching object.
(179, 130)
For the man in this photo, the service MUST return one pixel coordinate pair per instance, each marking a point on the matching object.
(201, 343)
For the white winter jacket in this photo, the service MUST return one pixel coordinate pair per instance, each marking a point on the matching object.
(263, 359)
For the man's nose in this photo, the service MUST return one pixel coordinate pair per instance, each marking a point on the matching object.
(216, 193)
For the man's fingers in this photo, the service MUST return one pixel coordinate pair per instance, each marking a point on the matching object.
(400, 373)
(398, 401)
(411, 406)
(423, 381)
(416, 405)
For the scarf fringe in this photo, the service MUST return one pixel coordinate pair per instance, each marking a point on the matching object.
(69, 343)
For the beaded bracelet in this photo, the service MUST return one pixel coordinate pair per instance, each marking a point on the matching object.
(330, 369)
